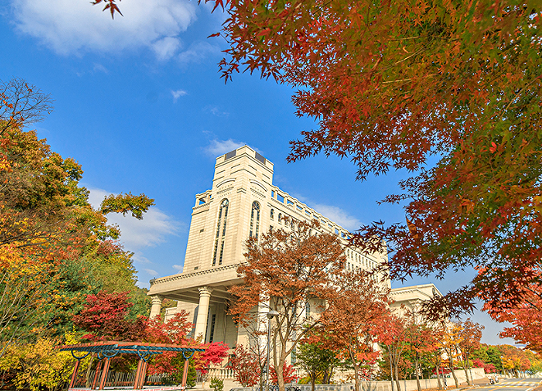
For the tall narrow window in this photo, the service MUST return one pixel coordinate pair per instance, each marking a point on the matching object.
(212, 331)
(220, 233)
(272, 214)
(255, 220)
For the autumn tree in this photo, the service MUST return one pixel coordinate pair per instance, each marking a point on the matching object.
(470, 336)
(525, 317)
(394, 342)
(104, 317)
(175, 331)
(450, 340)
(51, 238)
(289, 270)
(422, 341)
(354, 318)
(245, 366)
(21, 104)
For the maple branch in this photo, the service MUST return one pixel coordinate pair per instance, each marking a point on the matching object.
(409, 79)
(518, 93)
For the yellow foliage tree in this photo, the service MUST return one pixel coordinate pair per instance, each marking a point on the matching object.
(39, 365)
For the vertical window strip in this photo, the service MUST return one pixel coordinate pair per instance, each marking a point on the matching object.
(222, 211)
(254, 220)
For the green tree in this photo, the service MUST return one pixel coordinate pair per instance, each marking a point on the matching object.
(317, 361)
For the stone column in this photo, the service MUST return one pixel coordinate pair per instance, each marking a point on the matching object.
(156, 306)
(203, 312)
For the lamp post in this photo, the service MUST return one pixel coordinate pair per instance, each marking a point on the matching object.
(270, 315)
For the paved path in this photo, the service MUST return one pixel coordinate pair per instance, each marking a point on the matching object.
(528, 384)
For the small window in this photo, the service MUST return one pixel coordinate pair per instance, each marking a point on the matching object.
(280, 198)
(299, 208)
(329, 225)
(336, 231)
(308, 213)
(272, 193)
(289, 203)
(272, 214)
(343, 235)
(201, 201)
(280, 218)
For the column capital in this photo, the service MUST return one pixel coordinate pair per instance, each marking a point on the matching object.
(156, 306)
(205, 291)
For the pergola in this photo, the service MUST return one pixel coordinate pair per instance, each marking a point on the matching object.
(106, 350)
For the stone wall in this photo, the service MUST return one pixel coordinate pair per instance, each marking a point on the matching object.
(406, 385)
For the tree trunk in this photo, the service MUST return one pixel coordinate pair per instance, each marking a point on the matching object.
(391, 369)
(356, 377)
(313, 381)
(437, 370)
(417, 372)
(453, 372)
(279, 371)
(396, 369)
(466, 368)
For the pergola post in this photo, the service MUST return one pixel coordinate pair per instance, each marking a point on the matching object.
(138, 374)
(105, 370)
(143, 375)
(98, 367)
(74, 374)
(185, 374)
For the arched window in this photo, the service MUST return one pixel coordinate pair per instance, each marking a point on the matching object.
(255, 220)
(272, 214)
(219, 238)
(279, 218)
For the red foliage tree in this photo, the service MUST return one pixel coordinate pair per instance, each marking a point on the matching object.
(104, 317)
(525, 317)
(288, 374)
(470, 336)
(245, 366)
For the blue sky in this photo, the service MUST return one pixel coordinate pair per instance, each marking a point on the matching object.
(139, 102)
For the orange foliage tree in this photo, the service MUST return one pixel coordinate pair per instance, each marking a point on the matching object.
(289, 270)
(354, 318)
(393, 84)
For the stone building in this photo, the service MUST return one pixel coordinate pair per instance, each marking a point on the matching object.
(241, 203)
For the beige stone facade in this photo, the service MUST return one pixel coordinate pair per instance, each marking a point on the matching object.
(411, 298)
(242, 202)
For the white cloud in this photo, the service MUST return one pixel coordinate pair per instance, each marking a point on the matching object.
(178, 268)
(220, 147)
(100, 68)
(214, 110)
(137, 234)
(177, 94)
(338, 215)
(333, 213)
(75, 26)
(166, 47)
(151, 272)
(197, 52)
